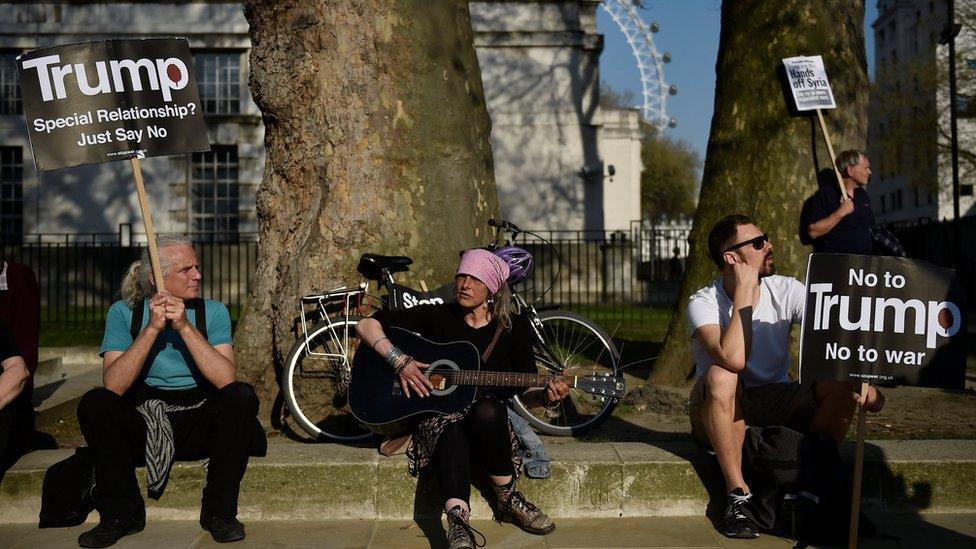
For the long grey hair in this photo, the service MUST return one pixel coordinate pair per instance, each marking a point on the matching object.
(501, 306)
(137, 283)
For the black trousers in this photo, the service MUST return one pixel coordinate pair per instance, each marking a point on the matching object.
(222, 429)
(16, 431)
(482, 433)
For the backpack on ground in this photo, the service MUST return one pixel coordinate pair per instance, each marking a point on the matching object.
(67, 494)
(801, 488)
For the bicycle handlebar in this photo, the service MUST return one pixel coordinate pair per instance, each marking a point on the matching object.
(502, 224)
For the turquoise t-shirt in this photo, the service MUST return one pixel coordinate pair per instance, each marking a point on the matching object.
(172, 367)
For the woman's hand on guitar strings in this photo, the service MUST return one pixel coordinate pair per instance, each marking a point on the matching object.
(413, 379)
(556, 390)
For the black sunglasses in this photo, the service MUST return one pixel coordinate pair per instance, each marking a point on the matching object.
(757, 243)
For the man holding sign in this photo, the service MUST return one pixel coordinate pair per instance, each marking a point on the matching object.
(170, 393)
(740, 328)
(841, 223)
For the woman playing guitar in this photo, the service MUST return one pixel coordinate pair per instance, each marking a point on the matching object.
(480, 315)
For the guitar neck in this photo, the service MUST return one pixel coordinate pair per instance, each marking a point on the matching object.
(504, 379)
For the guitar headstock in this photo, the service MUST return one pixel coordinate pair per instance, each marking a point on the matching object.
(605, 385)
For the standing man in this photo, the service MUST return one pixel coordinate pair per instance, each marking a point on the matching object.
(841, 224)
(740, 329)
(169, 393)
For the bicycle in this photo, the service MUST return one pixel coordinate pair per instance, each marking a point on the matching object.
(317, 369)
(564, 340)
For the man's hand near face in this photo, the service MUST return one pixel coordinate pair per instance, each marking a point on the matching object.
(745, 279)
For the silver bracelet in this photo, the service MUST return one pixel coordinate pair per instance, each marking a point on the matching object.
(393, 356)
(403, 365)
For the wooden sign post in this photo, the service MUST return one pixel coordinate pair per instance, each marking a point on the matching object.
(147, 222)
(858, 469)
(833, 158)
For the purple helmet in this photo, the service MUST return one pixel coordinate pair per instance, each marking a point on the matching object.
(519, 262)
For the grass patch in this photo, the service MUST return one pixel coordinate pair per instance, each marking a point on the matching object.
(628, 322)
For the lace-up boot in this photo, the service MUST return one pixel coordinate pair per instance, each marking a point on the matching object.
(460, 534)
(511, 506)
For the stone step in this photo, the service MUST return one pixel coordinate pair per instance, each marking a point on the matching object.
(608, 479)
(63, 375)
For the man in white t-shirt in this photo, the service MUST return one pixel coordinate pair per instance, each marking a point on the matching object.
(740, 329)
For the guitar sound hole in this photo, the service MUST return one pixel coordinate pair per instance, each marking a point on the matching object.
(439, 373)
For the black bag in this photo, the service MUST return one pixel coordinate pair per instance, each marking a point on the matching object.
(67, 494)
(801, 489)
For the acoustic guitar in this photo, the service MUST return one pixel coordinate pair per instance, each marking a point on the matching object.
(377, 399)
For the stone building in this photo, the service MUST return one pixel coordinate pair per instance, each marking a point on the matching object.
(552, 145)
(908, 133)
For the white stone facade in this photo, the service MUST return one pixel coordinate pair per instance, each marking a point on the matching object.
(540, 67)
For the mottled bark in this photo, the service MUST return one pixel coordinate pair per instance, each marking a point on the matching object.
(762, 159)
(377, 141)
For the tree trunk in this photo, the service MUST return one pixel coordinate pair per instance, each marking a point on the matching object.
(377, 140)
(763, 157)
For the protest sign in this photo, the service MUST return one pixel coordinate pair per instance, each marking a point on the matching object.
(808, 82)
(884, 320)
(111, 100)
(811, 91)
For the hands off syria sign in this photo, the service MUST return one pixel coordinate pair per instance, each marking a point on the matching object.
(100, 101)
(808, 82)
(885, 320)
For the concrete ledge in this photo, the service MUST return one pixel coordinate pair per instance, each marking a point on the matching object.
(327, 481)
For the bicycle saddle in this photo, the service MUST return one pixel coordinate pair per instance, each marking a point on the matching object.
(370, 265)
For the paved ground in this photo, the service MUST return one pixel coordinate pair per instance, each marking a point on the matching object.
(926, 531)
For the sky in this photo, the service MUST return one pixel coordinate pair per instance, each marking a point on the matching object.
(689, 30)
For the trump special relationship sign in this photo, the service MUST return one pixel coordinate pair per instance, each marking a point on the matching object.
(111, 100)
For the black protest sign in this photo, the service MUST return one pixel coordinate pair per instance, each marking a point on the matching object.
(111, 100)
(884, 320)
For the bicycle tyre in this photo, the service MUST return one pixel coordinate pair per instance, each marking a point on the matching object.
(584, 347)
(316, 387)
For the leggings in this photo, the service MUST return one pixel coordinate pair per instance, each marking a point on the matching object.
(485, 432)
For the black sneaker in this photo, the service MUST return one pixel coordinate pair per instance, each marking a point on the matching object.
(738, 522)
(111, 530)
(223, 530)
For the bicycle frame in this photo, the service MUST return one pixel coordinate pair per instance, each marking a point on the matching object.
(536, 323)
(341, 294)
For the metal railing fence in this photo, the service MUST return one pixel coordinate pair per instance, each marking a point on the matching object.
(606, 275)
(948, 244)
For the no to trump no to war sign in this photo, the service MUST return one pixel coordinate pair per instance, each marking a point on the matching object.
(808, 82)
(885, 320)
(112, 100)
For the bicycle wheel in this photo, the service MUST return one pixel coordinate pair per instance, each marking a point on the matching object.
(316, 382)
(582, 347)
